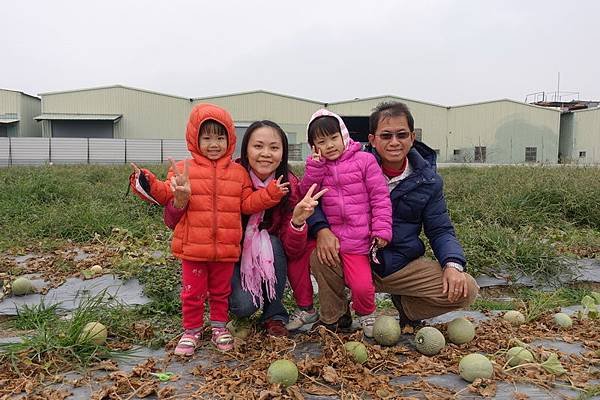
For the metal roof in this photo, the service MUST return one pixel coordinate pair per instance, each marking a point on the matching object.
(23, 93)
(384, 96)
(114, 87)
(8, 121)
(259, 91)
(79, 117)
(508, 100)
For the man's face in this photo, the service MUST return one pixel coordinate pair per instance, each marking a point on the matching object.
(392, 140)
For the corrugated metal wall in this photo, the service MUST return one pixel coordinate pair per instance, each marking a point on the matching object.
(146, 115)
(430, 118)
(586, 135)
(505, 128)
(9, 104)
(30, 107)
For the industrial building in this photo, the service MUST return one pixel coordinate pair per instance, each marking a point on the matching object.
(580, 137)
(17, 110)
(148, 126)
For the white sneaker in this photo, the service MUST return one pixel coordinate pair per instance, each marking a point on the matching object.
(300, 318)
(367, 321)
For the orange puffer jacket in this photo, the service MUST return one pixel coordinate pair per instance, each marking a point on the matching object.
(211, 229)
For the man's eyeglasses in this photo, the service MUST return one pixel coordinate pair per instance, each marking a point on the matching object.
(389, 135)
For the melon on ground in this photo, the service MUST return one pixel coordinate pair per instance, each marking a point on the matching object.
(429, 341)
(386, 330)
(475, 366)
(96, 269)
(460, 331)
(357, 351)
(240, 331)
(518, 355)
(514, 317)
(563, 320)
(283, 372)
(94, 332)
(21, 286)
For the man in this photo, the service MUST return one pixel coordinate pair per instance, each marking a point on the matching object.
(420, 288)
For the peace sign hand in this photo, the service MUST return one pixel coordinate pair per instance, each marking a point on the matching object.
(284, 187)
(316, 154)
(306, 207)
(180, 184)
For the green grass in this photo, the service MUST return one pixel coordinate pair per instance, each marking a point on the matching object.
(36, 316)
(55, 343)
(523, 220)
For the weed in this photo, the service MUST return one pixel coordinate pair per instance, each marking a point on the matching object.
(35, 316)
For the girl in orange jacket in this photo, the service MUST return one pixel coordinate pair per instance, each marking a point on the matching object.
(214, 191)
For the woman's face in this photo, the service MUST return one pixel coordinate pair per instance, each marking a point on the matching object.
(265, 151)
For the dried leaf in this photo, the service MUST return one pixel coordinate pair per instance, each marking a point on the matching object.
(330, 375)
(553, 365)
(319, 390)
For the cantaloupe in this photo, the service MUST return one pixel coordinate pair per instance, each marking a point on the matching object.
(22, 286)
(429, 341)
(94, 332)
(357, 351)
(283, 372)
(518, 355)
(514, 317)
(386, 330)
(475, 366)
(460, 331)
(96, 269)
(563, 320)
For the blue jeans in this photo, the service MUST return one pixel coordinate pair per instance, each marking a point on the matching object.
(240, 301)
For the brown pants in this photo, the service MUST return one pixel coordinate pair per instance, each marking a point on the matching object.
(419, 283)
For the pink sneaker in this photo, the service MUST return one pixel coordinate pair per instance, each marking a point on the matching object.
(187, 344)
(222, 339)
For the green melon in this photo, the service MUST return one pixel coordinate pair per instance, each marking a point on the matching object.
(429, 341)
(475, 366)
(357, 351)
(283, 372)
(460, 331)
(514, 317)
(22, 286)
(238, 330)
(94, 332)
(563, 320)
(386, 330)
(96, 269)
(518, 355)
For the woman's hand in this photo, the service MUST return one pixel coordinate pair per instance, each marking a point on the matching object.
(180, 185)
(306, 207)
(380, 243)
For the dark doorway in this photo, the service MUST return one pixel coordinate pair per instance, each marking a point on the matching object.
(82, 129)
(358, 128)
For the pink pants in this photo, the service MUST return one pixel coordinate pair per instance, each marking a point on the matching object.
(199, 281)
(357, 275)
(299, 276)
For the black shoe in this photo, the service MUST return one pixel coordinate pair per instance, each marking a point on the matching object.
(403, 320)
(343, 324)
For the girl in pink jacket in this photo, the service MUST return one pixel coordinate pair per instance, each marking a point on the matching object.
(357, 204)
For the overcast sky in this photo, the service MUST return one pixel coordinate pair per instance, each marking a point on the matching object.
(445, 52)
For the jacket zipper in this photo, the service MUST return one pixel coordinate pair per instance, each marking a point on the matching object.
(337, 184)
(214, 201)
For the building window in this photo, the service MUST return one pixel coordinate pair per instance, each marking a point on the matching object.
(457, 152)
(582, 154)
(419, 134)
(480, 154)
(530, 154)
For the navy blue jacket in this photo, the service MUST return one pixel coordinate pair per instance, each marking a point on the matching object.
(417, 203)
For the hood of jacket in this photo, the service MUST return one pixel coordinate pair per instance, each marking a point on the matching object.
(200, 114)
(343, 129)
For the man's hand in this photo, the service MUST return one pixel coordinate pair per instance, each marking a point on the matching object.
(328, 248)
(454, 284)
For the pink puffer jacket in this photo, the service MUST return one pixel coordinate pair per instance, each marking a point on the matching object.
(357, 205)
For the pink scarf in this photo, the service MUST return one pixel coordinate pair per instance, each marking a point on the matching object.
(256, 264)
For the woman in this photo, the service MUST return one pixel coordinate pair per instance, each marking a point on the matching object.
(270, 237)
